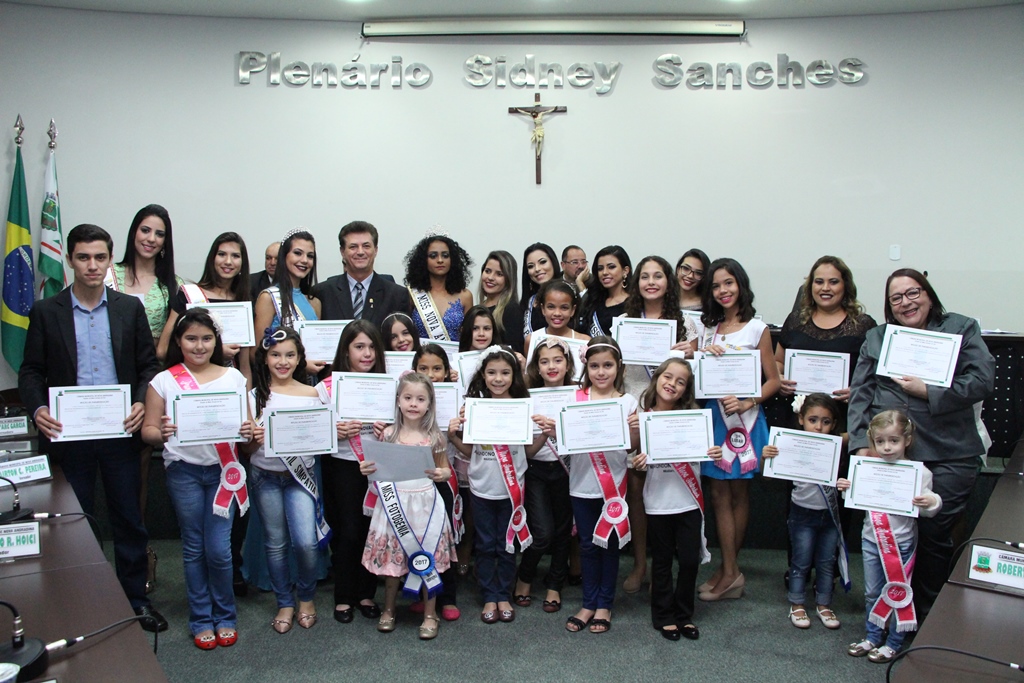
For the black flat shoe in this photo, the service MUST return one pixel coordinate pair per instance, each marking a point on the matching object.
(369, 611)
(690, 632)
(344, 616)
(670, 634)
(153, 622)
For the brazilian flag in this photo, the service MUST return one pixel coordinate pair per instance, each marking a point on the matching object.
(19, 275)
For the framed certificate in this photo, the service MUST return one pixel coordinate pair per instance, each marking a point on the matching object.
(300, 431)
(398, 462)
(877, 484)
(592, 426)
(676, 435)
(205, 417)
(364, 396)
(448, 400)
(498, 421)
(574, 348)
(320, 338)
(451, 348)
(467, 363)
(96, 412)
(644, 341)
(817, 371)
(736, 373)
(929, 356)
(397, 362)
(803, 456)
(235, 320)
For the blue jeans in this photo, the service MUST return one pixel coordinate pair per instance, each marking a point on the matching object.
(495, 567)
(813, 537)
(205, 545)
(874, 580)
(289, 517)
(600, 566)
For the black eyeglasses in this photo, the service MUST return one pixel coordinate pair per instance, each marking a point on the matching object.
(687, 270)
(912, 294)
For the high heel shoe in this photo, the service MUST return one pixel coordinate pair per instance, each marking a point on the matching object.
(734, 591)
(151, 560)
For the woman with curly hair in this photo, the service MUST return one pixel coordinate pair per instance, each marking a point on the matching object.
(437, 272)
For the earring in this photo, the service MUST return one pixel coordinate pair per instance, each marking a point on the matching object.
(162, 252)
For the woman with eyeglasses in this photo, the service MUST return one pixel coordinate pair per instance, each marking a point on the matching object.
(948, 435)
(690, 270)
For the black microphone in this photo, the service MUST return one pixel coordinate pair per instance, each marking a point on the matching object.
(28, 653)
(16, 514)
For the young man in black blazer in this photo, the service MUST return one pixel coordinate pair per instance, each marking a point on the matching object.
(359, 292)
(89, 335)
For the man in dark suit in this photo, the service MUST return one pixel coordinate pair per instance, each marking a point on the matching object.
(89, 335)
(263, 279)
(359, 292)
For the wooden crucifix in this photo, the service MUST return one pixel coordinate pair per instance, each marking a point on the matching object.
(537, 112)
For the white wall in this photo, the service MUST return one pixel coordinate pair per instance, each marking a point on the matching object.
(926, 152)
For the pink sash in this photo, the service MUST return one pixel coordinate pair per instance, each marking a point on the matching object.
(458, 527)
(232, 476)
(356, 442)
(615, 513)
(897, 595)
(517, 522)
(686, 472)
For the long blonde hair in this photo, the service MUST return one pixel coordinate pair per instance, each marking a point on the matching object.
(428, 423)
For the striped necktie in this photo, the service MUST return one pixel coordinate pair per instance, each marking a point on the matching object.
(357, 305)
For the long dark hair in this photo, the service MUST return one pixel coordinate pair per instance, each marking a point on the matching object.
(284, 281)
(164, 263)
(596, 294)
(433, 350)
(669, 304)
(348, 335)
(478, 386)
(466, 333)
(705, 264)
(686, 400)
(529, 286)
(713, 313)
(417, 275)
(261, 371)
(937, 310)
(389, 322)
(240, 283)
(533, 377)
(193, 316)
(597, 345)
(818, 400)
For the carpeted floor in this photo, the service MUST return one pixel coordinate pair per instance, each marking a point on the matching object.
(749, 639)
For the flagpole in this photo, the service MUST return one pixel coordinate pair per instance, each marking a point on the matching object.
(51, 238)
(53, 136)
(19, 275)
(20, 127)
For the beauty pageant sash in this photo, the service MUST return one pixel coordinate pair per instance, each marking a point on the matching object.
(517, 527)
(429, 315)
(832, 499)
(420, 561)
(897, 595)
(686, 472)
(356, 442)
(615, 513)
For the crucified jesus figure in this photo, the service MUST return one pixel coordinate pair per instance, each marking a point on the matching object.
(537, 112)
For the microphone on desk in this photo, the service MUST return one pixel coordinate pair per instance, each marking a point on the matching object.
(28, 653)
(16, 514)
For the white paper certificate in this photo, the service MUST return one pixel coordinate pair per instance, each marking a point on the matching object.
(803, 456)
(676, 435)
(364, 396)
(300, 431)
(235, 320)
(397, 362)
(398, 462)
(592, 426)
(448, 400)
(498, 421)
(737, 373)
(467, 363)
(549, 401)
(320, 338)
(451, 348)
(884, 486)
(95, 412)
(817, 371)
(204, 417)
(644, 341)
(574, 348)
(929, 356)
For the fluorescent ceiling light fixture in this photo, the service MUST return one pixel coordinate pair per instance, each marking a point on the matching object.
(486, 27)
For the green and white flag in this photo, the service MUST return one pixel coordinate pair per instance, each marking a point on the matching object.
(51, 241)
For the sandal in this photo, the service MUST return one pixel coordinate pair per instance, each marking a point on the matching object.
(882, 655)
(523, 600)
(860, 649)
(828, 617)
(429, 632)
(552, 605)
(798, 617)
(307, 620)
(282, 626)
(603, 625)
(577, 624)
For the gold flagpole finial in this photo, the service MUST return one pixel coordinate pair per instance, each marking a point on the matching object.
(53, 135)
(20, 127)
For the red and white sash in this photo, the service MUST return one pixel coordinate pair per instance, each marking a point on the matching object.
(517, 527)
(458, 527)
(897, 595)
(615, 513)
(232, 476)
(356, 442)
(689, 476)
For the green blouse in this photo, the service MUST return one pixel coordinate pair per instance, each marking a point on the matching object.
(156, 301)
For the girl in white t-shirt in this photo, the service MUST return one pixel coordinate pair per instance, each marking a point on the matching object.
(675, 511)
(497, 501)
(203, 481)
